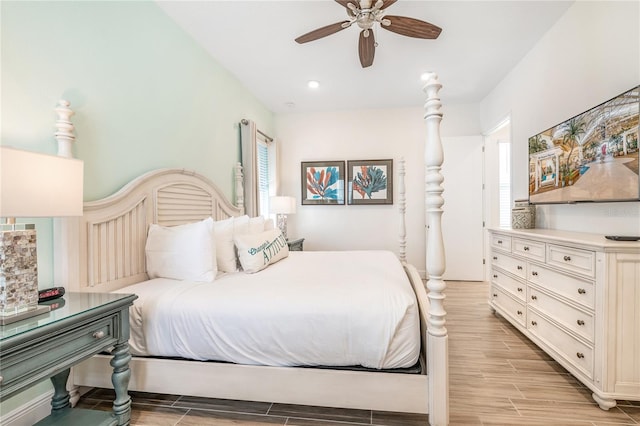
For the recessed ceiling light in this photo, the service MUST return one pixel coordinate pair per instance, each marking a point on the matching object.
(313, 84)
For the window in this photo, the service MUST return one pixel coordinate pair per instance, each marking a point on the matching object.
(504, 182)
(266, 186)
(259, 168)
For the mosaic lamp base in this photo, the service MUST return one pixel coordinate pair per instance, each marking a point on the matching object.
(19, 275)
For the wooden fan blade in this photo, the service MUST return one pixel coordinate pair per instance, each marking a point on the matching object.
(366, 49)
(387, 3)
(344, 4)
(321, 32)
(411, 27)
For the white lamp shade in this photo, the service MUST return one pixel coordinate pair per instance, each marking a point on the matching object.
(282, 205)
(33, 184)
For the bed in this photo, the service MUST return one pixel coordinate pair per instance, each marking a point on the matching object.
(104, 251)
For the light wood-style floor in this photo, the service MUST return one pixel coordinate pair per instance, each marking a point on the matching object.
(497, 377)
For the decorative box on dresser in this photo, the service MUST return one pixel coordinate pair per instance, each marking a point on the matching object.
(296, 245)
(577, 296)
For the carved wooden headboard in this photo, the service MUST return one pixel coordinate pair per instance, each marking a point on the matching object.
(111, 235)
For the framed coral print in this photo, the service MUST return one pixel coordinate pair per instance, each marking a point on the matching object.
(322, 182)
(370, 181)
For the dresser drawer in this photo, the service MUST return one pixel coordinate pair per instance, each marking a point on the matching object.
(574, 351)
(580, 291)
(508, 306)
(579, 322)
(77, 343)
(501, 242)
(517, 267)
(570, 259)
(507, 283)
(531, 249)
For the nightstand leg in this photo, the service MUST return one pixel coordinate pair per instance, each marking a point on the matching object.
(60, 398)
(120, 379)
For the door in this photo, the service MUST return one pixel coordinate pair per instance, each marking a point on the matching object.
(462, 226)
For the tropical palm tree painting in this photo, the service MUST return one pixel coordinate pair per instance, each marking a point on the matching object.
(323, 182)
(370, 182)
(592, 156)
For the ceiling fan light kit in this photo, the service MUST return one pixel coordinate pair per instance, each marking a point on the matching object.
(366, 13)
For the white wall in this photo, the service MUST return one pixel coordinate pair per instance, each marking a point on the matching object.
(362, 135)
(146, 96)
(589, 56)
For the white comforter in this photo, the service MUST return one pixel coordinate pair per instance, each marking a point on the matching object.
(312, 308)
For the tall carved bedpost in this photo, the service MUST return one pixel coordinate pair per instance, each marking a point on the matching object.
(66, 243)
(239, 180)
(66, 231)
(402, 202)
(64, 135)
(438, 362)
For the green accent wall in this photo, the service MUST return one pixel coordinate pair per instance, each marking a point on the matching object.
(145, 94)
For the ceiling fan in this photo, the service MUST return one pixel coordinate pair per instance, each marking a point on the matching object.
(366, 13)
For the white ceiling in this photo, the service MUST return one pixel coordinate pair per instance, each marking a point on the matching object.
(480, 42)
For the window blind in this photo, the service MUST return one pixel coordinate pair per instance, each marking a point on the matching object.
(264, 178)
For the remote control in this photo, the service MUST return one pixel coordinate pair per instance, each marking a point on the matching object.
(622, 237)
(50, 294)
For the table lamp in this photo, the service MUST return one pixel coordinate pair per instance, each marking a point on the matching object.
(282, 206)
(31, 185)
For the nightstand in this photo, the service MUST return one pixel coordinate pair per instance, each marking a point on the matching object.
(82, 325)
(296, 245)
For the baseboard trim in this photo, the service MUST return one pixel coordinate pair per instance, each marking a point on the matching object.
(30, 412)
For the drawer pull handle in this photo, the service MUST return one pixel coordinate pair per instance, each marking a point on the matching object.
(520, 289)
(534, 273)
(499, 241)
(534, 323)
(495, 294)
(534, 297)
(495, 276)
(519, 268)
(567, 258)
(98, 334)
(580, 322)
(580, 355)
(495, 257)
(526, 248)
(519, 312)
(582, 291)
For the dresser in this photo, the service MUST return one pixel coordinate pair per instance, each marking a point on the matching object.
(78, 326)
(577, 296)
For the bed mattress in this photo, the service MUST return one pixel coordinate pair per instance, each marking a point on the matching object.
(310, 309)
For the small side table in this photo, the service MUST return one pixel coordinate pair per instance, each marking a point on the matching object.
(296, 245)
(82, 325)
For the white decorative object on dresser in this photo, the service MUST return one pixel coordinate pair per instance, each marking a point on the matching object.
(577, 296)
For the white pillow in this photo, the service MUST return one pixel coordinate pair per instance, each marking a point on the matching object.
(240, 225)
(256, 225)
(225, 252)
(183, 252)
(224, 230)
(257, 251)
(268, 224)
